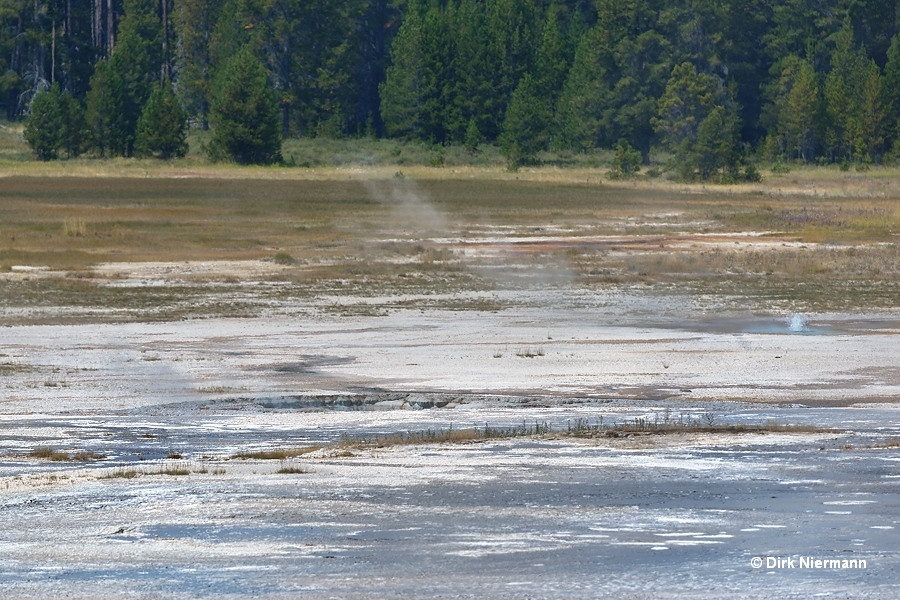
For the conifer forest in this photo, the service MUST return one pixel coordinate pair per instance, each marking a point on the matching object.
(712, 82)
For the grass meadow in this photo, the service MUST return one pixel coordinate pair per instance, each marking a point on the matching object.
(362, 218)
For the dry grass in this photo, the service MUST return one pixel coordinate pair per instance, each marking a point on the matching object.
(704, 424)
(580, 428)
(172, 469)
(11, 368)
(47, 453)
(122, 474)
(894, 443)
(352, 232)
(292, 469)
(276, 454)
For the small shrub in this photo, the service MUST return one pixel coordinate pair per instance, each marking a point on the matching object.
(437, 157)
(283, 258)
(626, 162)
(751, 174)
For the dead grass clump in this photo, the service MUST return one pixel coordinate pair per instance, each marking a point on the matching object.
(276, 454)
(894, 443)
(10, 368)
(74, 228)
(292, 469)
(87, 456)
(122, 474)
(666, 424)
(47, 453)
(175, 470)
(449, 435)
(530, 353)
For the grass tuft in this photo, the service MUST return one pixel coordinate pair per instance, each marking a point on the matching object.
(122, 474)
(276, 454)
(47, 453)
(292, 469)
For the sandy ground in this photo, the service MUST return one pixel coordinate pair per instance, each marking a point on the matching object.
(547, 517)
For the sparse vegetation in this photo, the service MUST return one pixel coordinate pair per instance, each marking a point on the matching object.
(578, 428)
(122, 473)
(834, 232)
(47, 453)
(666, 424)
(292, 469)
(176, 469)
(283, 258)
(894, 443)
(276, 454)
(530, 352)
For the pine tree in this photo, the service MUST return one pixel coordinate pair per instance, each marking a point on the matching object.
(626, 161)
(840, 95)
(854, 97)
(585, 95)
(551, 62)
(715, 150)
(105, 112)
(793, 113)
(45, 123)
(892, 89)
(400, 91)
(474, 72)
(697, 123)
(801, 112)
(515, 29)
(76, 134)
(440, 115)
(474, 138)
(525, 127)
(244, 113)
(869, 120)
(689, 98)
(195, 20)
(137, 60)
(161, 130)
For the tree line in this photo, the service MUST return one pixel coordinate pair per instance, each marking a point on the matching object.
(710, 81)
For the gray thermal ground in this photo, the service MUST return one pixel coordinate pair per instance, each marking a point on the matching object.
(168, 509)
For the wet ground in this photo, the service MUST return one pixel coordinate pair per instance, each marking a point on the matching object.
(164, 509)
